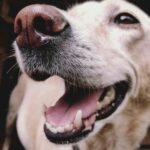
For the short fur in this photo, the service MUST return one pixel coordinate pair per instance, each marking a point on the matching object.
(117, 52)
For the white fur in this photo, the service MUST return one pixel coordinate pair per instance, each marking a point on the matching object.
(116, 50)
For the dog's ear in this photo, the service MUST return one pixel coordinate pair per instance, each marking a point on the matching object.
(143, 4)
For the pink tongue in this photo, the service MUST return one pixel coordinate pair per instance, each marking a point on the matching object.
(64, 113)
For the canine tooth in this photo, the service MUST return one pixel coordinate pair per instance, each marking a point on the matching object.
(78, 119)
(60, 129)
(106, 101)
(111, 93)
(109, 97)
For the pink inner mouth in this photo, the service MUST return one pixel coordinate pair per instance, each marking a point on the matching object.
(64, 111)
(74, 115)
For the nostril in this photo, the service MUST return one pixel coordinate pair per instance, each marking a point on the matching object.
(49, 26)
(40, 25)
(18, 27)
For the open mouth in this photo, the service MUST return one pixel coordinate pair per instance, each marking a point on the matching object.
(74, 115)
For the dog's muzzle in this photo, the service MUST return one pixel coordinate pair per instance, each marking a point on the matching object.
(47, 47)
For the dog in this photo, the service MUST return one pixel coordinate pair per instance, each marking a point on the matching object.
(85, 82)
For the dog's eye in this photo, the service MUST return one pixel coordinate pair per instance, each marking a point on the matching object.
(125, 18)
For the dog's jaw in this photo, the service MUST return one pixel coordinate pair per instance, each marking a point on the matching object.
(74, 116)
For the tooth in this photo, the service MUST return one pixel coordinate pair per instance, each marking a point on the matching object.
(48, 125)
(60, 129)
(88, 128)
(111, 93)
(54, 130)
(98, 105)
(107, 100)
(68, 127)
(78, 119)
(109, 97)
(86, 123)
(97, 114)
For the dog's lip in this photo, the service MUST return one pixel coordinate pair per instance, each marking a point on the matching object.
(38, 75)
(67, 137)
(121, 89)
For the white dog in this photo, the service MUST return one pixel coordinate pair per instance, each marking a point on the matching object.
(100, 97)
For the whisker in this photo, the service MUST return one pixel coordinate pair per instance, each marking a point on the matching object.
(11, 68)
(10, 56)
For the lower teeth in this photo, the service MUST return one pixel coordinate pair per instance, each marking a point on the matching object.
(78, 122)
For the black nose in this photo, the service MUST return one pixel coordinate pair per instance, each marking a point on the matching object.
(36, 21)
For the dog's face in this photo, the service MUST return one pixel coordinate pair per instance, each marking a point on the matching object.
(91, 47)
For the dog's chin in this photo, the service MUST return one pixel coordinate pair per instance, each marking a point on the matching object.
(38, 75)
(74, 115)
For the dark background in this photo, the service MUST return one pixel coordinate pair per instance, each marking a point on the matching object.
(8, 73)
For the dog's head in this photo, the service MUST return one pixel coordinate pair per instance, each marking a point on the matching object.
(93, 47)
